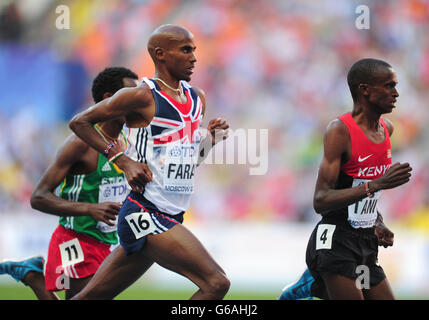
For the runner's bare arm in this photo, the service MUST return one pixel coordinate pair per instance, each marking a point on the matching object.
(44, 198)
(125, 102)
(336, 145)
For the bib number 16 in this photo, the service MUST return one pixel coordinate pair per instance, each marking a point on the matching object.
(140, 223)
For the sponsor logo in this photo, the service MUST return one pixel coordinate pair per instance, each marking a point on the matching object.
(175, 152)
(363, 159)
(106, 167)
(114, 191)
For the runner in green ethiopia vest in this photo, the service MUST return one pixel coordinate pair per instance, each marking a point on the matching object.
(85, 190)
(107, 183)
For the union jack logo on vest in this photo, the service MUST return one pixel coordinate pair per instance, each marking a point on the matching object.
(174, 122)
(176, 131)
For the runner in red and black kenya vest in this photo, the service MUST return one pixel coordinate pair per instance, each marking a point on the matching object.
(369, 161)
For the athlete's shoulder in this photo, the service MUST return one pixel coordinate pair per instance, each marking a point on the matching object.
(130, 97)
(74, 144)
(200, 92)
(143, 92)
(337, 126)
(337, 138)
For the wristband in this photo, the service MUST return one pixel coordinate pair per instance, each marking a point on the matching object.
(106, 151)
(368, 193)
(116, 156)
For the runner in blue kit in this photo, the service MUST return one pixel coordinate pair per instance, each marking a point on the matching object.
(163, 116)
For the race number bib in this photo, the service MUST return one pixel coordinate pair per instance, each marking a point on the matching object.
(111, 192)
(324, 236)
(105, 228)
(363, 213)
(71, 252)
(179, 168)
(140, 223)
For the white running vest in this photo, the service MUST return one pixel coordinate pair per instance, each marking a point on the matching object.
(169, 145)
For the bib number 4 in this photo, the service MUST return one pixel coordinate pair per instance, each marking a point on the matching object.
(324, 236)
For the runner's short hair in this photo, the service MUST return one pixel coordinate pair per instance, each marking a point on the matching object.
(364, 71)
(110, 80)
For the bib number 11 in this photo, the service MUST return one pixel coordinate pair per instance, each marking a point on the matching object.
(71, 252)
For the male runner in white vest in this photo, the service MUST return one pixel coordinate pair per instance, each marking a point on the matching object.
(163, 115)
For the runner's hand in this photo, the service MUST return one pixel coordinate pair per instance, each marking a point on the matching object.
(384, 235)
(137, 174)
(218, 129)
(105, 211)
(397, 175)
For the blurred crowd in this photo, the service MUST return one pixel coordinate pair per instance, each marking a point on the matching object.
(264, 64)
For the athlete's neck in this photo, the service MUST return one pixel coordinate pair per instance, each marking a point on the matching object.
(172, 84)
(364, 117)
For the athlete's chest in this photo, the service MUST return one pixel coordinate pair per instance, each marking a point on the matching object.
(368, 160)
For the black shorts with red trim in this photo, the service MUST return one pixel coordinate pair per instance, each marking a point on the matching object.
(138, 218)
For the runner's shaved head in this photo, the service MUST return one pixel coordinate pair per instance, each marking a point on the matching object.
(164, 36)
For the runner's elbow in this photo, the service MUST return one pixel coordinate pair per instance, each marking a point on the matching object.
(75, 123)
(318, 204)
(35, 200)
(318, 209)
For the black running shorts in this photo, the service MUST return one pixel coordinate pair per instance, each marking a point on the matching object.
(339, 249)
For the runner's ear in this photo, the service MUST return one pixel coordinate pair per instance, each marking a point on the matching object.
(363, 88)
(107, 95)
(159, 54)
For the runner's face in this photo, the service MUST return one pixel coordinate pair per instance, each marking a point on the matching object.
(382, 94)
(181, 58)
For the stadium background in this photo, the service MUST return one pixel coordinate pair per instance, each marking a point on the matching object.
(277, 65)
